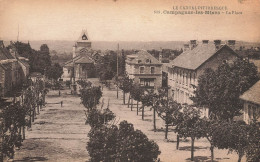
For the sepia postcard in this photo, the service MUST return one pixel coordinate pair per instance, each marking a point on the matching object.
(129, 80)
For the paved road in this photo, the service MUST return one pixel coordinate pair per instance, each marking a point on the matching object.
(58, 133)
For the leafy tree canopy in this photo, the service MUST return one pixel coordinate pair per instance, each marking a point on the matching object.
(121, 143)
(220, 90)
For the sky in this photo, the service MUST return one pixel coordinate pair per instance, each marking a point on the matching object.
(126, 20)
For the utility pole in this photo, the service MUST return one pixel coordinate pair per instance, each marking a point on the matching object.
(18, 33)
(117, 70)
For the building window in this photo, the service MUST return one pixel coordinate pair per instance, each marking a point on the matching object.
(148, 61)
(139, 61)
(147, 82)
(141, 70)
(152, 70)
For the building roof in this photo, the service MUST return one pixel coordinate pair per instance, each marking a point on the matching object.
(24, 62)
(79, 60)
(5, 54)
(142, 57)
(84, 60)
(192, 59)
(253, 94)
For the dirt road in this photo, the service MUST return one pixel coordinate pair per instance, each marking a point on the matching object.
(58, 133)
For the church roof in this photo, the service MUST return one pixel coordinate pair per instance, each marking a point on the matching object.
(84, 60)
(83, 37)
(79, 60)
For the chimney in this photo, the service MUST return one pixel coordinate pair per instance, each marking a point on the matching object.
(186, 47)
(231, 44)
(205, 41)
(217, 44)
(193, 43)
(2, 44)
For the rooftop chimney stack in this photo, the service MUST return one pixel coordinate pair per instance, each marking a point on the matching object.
(232, 43)
(217, 44)
(205, 41)
(186, 47)
(193, 43)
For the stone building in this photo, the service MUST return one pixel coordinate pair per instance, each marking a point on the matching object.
(251, 100)
(144, 69)
(184, 71)
(83, 59)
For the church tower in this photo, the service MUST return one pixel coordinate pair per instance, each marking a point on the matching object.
(83, 40)
(82, 45)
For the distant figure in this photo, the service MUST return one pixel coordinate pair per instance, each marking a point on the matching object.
(61, 103)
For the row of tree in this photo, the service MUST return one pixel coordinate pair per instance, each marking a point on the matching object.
(20, 114)
(217, 90)
(109, 142)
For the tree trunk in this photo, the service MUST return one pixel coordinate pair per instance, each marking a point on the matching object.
(143, 113)
(137, 108)
(128, 101)
(30, 119)
(132, 104)
(240, 155)
(23, 132)
(38, 109)
(154, 120)
(166, 130)
(192, 148)
(178, 142)
(212, 152)
(20, 131)
(124, 98)
(44, 99)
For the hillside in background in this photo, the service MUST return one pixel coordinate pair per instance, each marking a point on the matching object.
(66, 46)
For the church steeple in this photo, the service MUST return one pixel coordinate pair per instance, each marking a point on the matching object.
(83, 40)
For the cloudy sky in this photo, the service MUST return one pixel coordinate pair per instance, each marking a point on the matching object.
(126, 20)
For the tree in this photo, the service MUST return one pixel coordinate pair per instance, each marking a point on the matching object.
(121, 143)
(136, 93)
(167, 109)
(125, 85)
(90, 97)
(84, 84)
(13, 119)
(146, 99)
(253, 148)
(97, 118)
(208, 129)
(220, 90)
(54, 72)
(188, 125)
(232, 135)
